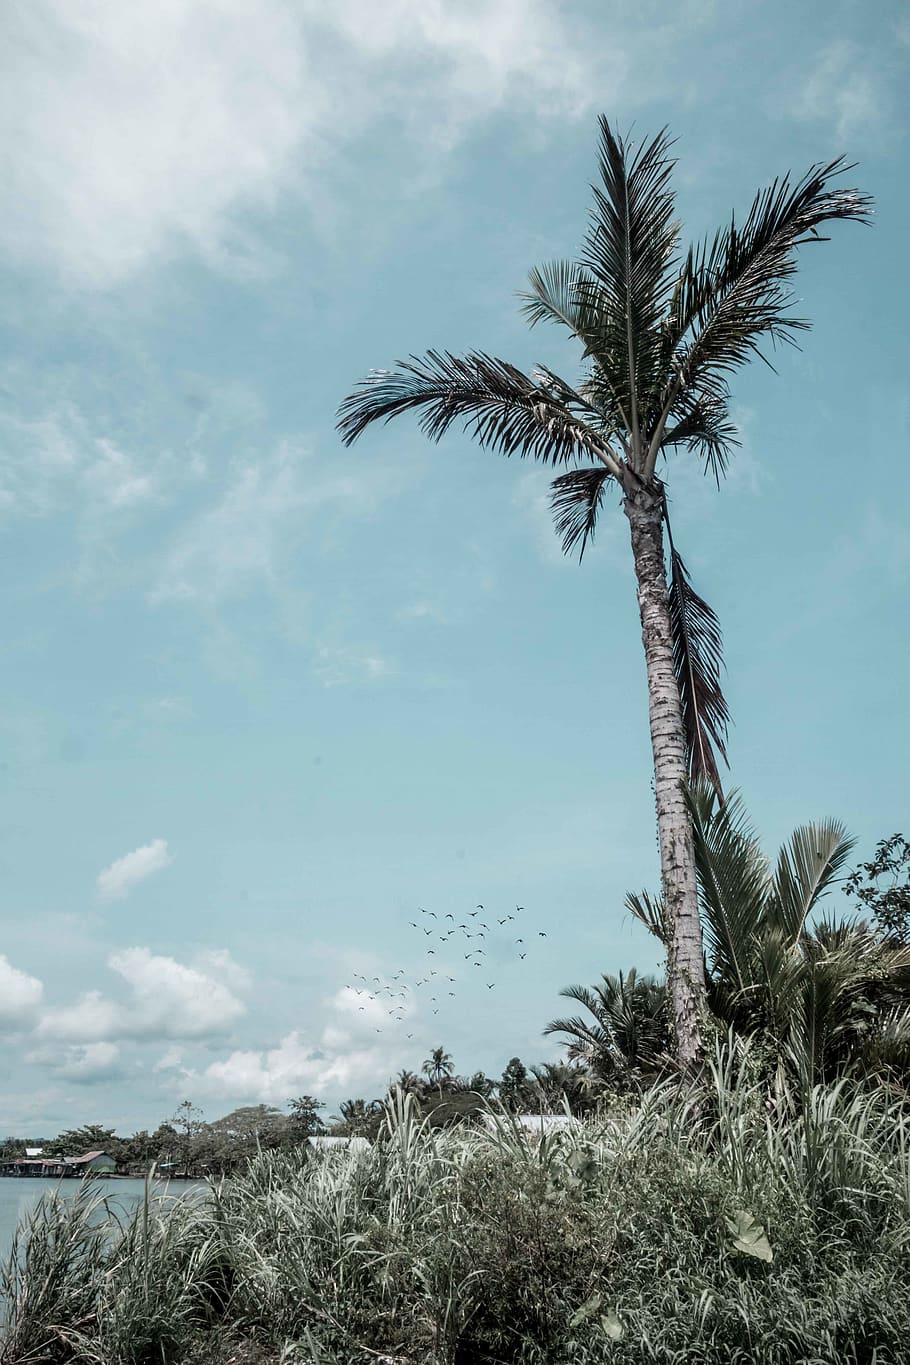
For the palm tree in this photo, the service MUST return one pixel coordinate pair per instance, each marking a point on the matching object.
(626, 1042)
(438, 1067)
(356, 1116)
(660, 332)
(830, 998)
(561, 1083)
(409, 1083)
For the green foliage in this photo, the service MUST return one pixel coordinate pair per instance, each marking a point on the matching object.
(882, 887)
(698, 1222)
(826, 996)
(626, 1042)
(89, 1138)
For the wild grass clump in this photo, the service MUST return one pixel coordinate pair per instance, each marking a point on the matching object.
(713, 1223)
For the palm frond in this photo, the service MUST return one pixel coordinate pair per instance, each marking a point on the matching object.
(733, 291)
(575, 501)
(502, 408)
(806, 868)
(702, 424)
(733, 880)
(697, 660)
(649, 911)
(629, 253)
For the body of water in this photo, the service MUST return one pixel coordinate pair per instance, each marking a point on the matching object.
(19, 1196)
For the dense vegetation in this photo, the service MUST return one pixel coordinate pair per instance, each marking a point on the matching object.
(713, 1221)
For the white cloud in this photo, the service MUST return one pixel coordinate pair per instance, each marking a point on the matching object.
(92, 1017)
(167, 999)
(86, 1063)
(135, 133)
(295, 1065)
(240, 540)
(124, 873)
(20, 995)
(336, 667)
(347, 1053)
(178, 1001)
(169, 1060)
(850, 88)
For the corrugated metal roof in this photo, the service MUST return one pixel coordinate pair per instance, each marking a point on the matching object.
(356, 1144)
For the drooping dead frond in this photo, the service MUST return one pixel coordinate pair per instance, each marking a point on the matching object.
(697, 659)
(575, 501)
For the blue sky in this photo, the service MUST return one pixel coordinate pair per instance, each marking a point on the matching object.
(262, 697)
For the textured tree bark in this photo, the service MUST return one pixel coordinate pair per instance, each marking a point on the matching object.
(685, 954)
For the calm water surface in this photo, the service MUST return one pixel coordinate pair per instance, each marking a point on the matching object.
(19, 1196)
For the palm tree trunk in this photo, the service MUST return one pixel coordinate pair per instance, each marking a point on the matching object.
(685, 955)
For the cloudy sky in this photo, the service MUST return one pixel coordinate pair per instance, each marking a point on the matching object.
(261, 697)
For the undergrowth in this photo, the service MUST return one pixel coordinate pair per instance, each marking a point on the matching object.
(718, 1223)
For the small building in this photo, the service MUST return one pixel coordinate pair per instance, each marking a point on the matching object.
(61, 1167)
(537, 1124)
(328, 1144)
(34, 1151)
(92, 1163)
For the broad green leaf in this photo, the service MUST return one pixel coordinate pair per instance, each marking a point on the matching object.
(612, 1327)
(587, 1310)
(749, 1236)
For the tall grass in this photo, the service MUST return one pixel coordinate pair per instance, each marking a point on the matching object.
(715, 1223)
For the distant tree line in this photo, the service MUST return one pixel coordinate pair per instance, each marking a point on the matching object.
(186, 1144)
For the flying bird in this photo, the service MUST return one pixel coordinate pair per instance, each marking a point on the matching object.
(541, 934)
(522, 956)
(490, 985)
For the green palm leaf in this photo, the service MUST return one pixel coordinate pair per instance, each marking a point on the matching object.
(733, 293)
(807, 866)
(733, 880)
(500, 407)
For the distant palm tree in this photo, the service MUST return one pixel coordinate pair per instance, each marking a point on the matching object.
(626, 1041)
(438, 1067)
(833, 997)
(661, 333)
(561, 1083)
(357, 1115)
(409, 1083)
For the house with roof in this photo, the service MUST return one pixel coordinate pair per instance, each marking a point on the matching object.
(61, 1167)
(328, 1144)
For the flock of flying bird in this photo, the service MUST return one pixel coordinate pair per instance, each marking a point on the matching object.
(395, 993)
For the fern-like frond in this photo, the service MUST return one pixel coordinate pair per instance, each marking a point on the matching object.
(502, 408)
(807, 866)
(575, 501)
(733, 292)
